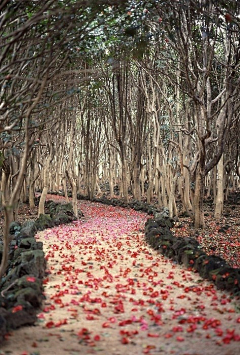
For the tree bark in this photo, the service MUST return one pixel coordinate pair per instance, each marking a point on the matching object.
(198, 198)
(220, 186)
(41, 209)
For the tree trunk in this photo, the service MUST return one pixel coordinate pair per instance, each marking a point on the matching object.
(198, 199)
(186, 199)
(171, 200)
(64, 183)
(111, 187)
(124, 180)
(74, 187)
(220, 196)
(136, 182)
(149, 174)
(45, 186)
(31, 196)
(8, 219)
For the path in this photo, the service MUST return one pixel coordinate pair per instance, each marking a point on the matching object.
(109, 293)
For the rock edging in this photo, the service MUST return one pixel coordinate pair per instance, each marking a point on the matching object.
(188, 251)
(134, 204)
(21, 289)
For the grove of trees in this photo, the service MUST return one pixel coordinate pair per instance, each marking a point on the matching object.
(144, 95)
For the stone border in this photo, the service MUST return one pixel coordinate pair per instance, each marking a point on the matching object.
(186, 251)
(21, 290)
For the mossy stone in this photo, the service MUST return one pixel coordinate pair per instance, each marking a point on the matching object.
(44, 221)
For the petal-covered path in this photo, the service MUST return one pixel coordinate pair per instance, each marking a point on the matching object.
(108, 293)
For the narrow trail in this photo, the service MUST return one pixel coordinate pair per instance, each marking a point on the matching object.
(108, 293)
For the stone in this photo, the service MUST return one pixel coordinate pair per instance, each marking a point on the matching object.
(3, 324)
(226, 278)
(29, 281)
(182, 245)
(150, 224)
(165, 222)
(33, 263)
(28, 243)
(62, 218)
(163, 214)
(25, 290)
(51, 207)
(20, 318)
(199, 262)
(3, 329)
(28, 230)
(14, 228)
(17, 253)
(165, 248)
(151, 210)
(210, 264)
(154, 232)
(44, 221)
(30, 296)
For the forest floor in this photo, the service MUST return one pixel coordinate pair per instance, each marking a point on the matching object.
(108, 292)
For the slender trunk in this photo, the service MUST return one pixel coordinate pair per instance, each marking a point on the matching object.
(159, 190)
(31, 196)
(149, 174)
(8, 219)
(172, 202)
(208, 184)
(220, 196)
(74, 187)
(198, 199)
(143, 178)
(214, 182)
(124, 180)
(164, 185)
(24, 195)
(41, 209)
(92, 184)
(64, 183)
(136, 182)
(45, 186)
(186, 188)
(111, 187)
(111, 172)
(74, 198)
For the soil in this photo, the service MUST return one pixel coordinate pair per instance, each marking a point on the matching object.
(107, 292)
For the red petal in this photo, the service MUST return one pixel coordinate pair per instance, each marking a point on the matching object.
(124, 340)
(49, 324)
(31, 279)
(106, 325)
(153, 335)
(180, 339)
(17, 308)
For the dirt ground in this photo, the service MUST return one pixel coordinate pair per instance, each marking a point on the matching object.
(108, 293)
